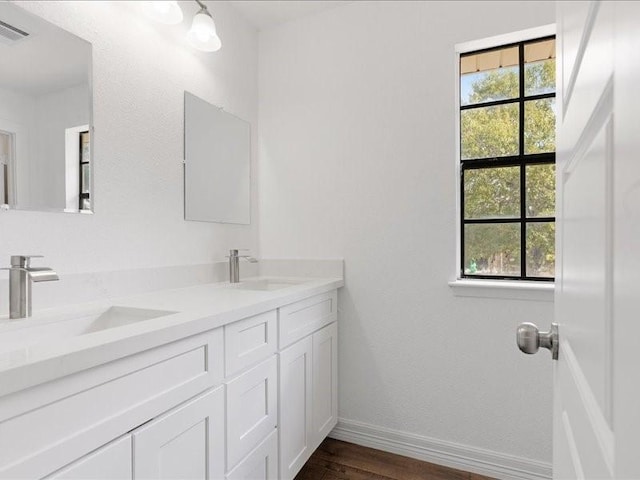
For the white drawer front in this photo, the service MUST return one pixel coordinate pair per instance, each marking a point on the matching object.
(302, 318)
(261, 463)
(79, 413)
(252, 409)
(250, 341)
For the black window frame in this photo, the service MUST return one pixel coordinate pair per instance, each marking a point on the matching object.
(520, 160)
(82, 196)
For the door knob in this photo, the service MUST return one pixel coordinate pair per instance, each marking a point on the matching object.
(530, 339)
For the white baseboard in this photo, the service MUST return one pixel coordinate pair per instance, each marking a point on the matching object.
(448, 454)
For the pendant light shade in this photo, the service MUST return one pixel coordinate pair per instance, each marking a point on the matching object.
(167, 12)
(202, 35)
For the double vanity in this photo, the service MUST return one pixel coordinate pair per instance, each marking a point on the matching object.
(214, 381)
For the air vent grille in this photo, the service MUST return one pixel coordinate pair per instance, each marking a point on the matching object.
(10, 34)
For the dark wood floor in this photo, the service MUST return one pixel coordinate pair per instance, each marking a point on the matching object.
(336, 460)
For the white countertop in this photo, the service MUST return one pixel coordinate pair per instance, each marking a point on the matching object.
(199, 308)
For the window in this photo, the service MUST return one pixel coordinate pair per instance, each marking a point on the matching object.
(84, 146)
(507, 161)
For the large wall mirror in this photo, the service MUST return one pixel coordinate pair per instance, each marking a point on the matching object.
(45, 115)
(217, 173)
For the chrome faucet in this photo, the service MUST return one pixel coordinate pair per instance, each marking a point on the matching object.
(21, 275)
(234, 265)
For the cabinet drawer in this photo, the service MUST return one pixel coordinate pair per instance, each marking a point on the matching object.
(261, 463)
(252, 409)
(302, 318)
(75, 415)
(250, 341)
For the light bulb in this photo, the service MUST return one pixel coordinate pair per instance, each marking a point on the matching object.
(203, 34)
(167, 12)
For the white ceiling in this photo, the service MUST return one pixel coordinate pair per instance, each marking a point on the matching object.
(265, 14)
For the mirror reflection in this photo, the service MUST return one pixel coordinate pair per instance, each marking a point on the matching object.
(45, 115)
(217, 164)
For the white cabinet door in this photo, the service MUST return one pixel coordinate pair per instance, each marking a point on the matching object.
(325, 382)
(111, 462)
(252, 409)
(261, 463)
(295, 407)
(186, 443)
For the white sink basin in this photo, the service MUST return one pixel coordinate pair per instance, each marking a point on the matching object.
(269, 284)
(16, 334)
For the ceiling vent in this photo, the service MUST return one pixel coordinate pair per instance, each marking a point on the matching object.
(10, 34)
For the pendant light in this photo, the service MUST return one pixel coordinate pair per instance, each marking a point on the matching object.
(203, 35)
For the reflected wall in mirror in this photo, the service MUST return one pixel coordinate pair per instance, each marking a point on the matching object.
(45, 115)
(217, 168)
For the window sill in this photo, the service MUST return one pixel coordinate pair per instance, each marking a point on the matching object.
(504, 289)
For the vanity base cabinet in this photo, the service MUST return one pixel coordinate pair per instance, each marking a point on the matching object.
(185, 443)
(308, 397)
(114, 461)
(170, 412)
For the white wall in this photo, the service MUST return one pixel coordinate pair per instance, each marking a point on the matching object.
(140, 72)
(357, 152)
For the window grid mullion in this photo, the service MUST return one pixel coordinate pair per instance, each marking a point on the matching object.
(506, 101)
(523, 180)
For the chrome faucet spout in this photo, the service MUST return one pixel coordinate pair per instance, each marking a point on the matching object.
(21, 276)
(42, 275)
(234, 264)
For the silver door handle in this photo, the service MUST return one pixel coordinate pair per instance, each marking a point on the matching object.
(530, 339)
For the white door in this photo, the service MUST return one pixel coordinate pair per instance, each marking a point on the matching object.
(596, 378)
(186, 443)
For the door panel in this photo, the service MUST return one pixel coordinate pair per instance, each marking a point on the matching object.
(587, 280)
(295, 407)
(325, 382)
(252, 409)
(186, 443)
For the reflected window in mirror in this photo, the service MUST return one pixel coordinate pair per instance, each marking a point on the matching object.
(45, 115)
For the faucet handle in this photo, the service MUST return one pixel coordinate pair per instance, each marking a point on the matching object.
(23, 260)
